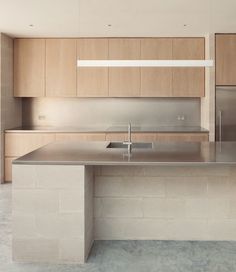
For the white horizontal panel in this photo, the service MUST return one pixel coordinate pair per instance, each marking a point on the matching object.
(145, 63)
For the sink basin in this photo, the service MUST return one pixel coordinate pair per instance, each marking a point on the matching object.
(134, 145)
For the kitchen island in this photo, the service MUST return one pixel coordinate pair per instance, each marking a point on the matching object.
(68, 194)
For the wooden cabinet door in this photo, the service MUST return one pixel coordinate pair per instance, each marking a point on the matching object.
(226, 59)
(156, 82)
(144, 137)
(116, 137)
(80, 137)
(29, 67)
(61, 67)
(159, 137)
(124, 81)
(92, 81)
(136, 137)
(19, 144)
(188, 81)
(8, 168)
(182, 137)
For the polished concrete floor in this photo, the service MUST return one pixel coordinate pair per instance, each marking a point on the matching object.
(126, 256)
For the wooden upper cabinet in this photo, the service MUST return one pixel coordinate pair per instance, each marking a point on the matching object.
(29, 67)
(188, 81)
(48, 67)
(61, 67)
(156, 82)
(124, 81)
(226, 59)
(188, 48)
(92, 81)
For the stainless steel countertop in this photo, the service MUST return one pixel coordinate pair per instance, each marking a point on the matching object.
(110, 129)
(96, 153)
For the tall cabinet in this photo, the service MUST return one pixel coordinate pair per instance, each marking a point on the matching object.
(225, 59)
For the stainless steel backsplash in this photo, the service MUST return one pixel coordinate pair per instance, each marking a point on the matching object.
(111, 111)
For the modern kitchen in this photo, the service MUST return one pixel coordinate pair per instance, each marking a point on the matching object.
(118, 136)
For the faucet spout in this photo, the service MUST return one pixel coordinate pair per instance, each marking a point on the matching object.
(129, 142)
(129, 132)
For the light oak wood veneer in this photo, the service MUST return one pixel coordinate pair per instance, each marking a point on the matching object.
(29, 67)
(92, 81)
(226, 59)
(162, 137)
(8, 168)
(80, 137)
(62, 78)
(156, 82)
(188, 82)
(61, 65)
(19, 144)
(123, 81)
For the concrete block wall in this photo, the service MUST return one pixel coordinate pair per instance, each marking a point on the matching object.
(49, 204)
(165, 203)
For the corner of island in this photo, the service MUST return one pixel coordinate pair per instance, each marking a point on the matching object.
(66, 195)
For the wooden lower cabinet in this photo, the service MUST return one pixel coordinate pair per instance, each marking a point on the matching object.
(182, 137)
(8, 168)
(136, 137)
(162, 137)
(80, 136)
(116, 137)
(19, 144)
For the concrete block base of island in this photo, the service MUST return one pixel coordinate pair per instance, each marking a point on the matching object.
(66, 195)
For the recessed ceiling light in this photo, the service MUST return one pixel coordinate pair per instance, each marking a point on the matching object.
(185, 25)
(31, 25)
(109, 25)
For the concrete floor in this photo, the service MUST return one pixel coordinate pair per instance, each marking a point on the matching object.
(126, 256)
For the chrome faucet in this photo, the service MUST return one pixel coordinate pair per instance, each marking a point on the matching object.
(129, 142)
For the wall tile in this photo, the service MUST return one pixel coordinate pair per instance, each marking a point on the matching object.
(40, 249)
(186, 187)
(122, 171)
(97, 207)
(129, 186)
(121, 207)
(183, 171)
(232, 209)
(70, 225)
(127, 228)
(27, 177)
(222, 230)
(35, 201)
(71, 250)
(218, 208)
(164, 208)
(24, 225)
(190, 229)
(71, 201)
(60, 176)
(218, 187)
(196, 208)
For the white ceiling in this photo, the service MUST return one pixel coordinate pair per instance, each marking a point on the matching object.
(137, 18)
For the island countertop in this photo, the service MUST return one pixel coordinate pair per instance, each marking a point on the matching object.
(97, 153)
(109, 129)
